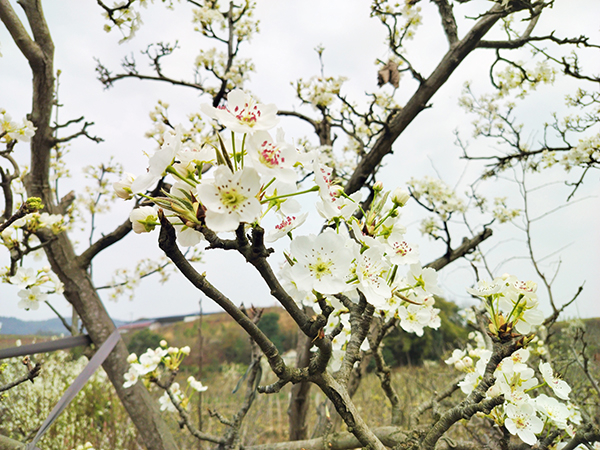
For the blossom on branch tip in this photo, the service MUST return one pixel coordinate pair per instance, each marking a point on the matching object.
(486, 288)
(25, 276)
(230, 198)
(371, 269)
(243, 114)
(423, 279)
(123, 187)
(196, 384)
(413, 318)
(159, 162)
(31, 298)
(402, 252)
(273, 159)
(522, 421)
(399, 197)
(286, 226)
(144, 219)
(322, 262)
(560, 387)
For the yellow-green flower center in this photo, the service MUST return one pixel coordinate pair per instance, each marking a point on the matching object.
(232, 199)
(320, 268)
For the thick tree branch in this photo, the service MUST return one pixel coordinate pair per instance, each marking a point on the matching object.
(398, 122)
(104, 242)
(448, 21)
(13, 24)
(167, 243)
(467, 246)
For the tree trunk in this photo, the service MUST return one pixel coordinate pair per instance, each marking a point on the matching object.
(299, 399)
(71, 270)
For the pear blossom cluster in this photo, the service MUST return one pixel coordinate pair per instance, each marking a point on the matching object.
(436, 195)
(19, 238)
(11, 130)
(510, 303)
(526, 412)
(252, 173)
(154, 363)
(408, 12)
(513, 77)
(320, 92)
(35, 285)
(125, 18)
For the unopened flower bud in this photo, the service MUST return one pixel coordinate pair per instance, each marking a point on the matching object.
(123, 187)
(186, 350)
(132, 358)
(400, 197)
(378, 187)
(163, 343)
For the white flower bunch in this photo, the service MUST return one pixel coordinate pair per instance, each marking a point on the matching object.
(150, 365)
(523, 414)
(35, 285)
(320, 92)
(154, 363)
(126, 20)
(439, 197)
(256, 174)
(10, 130)
(586, 151)
(510, 303)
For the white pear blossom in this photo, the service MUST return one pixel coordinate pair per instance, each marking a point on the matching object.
(25, 276)
(413, 318)
(560, 387)
(196, 384)
(522, 421)
(473, 378)
(31, 298)
(273, 159)
(400, 196)
(131, 376)
(402, 253)
(123, 186)
(371, 269)
(230, 198)
(558, 413)
(159, 162)
(282, 229)
(529, 318)
(322, 262)
(243, 114)
(186, 159)
(486, 288)
(165, 401)
(424, 280)
(149, 361)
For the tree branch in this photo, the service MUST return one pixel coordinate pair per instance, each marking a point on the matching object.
(448, 21)
(29, 376)
(398, 122)
(104, 242)
(26, 44)
(467, 246)
(167, 243)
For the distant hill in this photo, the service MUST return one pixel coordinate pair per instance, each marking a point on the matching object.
(50, 327)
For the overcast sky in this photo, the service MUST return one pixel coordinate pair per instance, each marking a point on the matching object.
(283, 52)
